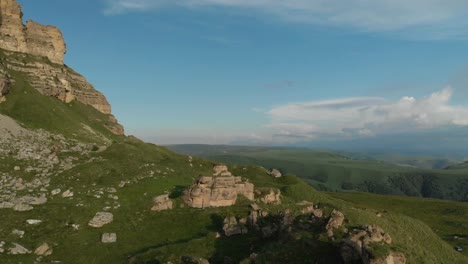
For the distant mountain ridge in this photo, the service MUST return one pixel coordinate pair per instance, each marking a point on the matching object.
(349, 171)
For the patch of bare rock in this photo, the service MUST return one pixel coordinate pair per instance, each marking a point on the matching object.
(272, 197)
(101, 219)
(276, 173)
(18, 249)
(162, 203)
(109, 238)
(44, 250)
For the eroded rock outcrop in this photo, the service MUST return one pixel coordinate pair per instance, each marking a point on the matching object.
(336, 220)
(162, 203)
(26, 46)
(358, 247)
(32, 38)
(217, 191)
(272, 197)
(44, 250)
(276, 173)
(5, 83)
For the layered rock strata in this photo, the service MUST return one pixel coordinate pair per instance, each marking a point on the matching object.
(218, 191)
(38, 52)
(32, 38)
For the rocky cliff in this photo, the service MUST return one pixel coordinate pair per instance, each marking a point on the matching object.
(37, 51)
(32, 38)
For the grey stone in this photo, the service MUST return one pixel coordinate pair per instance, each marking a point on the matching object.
(109, 238)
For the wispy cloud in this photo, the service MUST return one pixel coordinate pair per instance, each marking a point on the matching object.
(366, 117)
(428, 18)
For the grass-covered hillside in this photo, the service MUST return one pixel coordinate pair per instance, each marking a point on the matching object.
(446, 218)
(59, 166)
(335, 172)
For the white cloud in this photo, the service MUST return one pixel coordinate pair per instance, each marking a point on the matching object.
(438, 18)
(366, 117)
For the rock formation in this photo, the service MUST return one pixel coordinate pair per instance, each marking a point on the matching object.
(217, 191)
(43, 250)
(232, 227)
(32, 38)
(109, 238)
(273, 197)
(26, 46)
(335, 221)
(276, 173)
(5, 83)
(161, 203)
(101, 219)
(357, 247)
(18, 249)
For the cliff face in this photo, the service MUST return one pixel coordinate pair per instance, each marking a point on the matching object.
(32, 38)
(27, 46)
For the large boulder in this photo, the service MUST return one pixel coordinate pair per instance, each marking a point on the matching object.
(276, 173)
(18, 249)
(43, 250)
(217, 191)
(101, 219)
(272, 197)
(162, 203)
(336, 220)
(109, 238)
(221, 170)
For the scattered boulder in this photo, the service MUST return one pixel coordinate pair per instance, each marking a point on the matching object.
(317, 213)
(309, 208)
(17, 168)
(357, 247)
(18, 249)
(22, 207)
(43, 250)
(162, 203)
(37, 200)
(232, 227)
(335, 221)
(67, 194)
(19, 233)
(221, 170)
(276, 173)
(55, 191)
(101, 219)
(109, 238)
(33, 221)
(273, 197)
(6, 205)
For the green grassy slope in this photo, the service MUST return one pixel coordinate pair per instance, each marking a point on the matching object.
(329, 171)
(446, 218)
(147, 171)
(74, 120)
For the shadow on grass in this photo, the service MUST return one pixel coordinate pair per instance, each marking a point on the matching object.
(177, 192)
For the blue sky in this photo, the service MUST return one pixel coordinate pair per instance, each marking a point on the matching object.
(270, 71)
